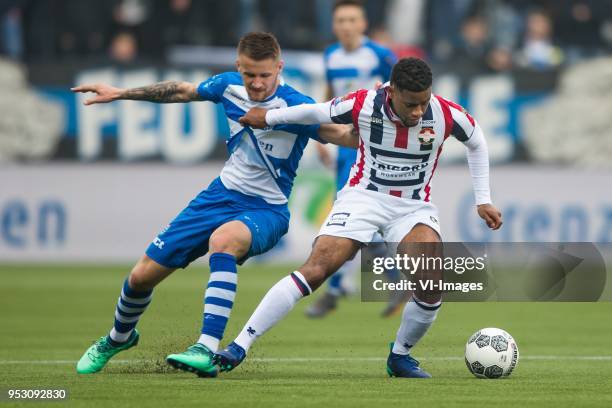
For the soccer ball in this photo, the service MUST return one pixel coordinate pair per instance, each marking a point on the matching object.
(491, 353)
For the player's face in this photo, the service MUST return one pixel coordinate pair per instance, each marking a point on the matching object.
(409, 106)
(349, 24)
(260, 78)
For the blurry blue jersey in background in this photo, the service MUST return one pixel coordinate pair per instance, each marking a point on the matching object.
(347, 71)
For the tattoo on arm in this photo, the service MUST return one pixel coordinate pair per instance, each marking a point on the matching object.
(161, 92)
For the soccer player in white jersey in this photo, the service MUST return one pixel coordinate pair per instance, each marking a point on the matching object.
(401, 128)
(241, 214)
(354, 62)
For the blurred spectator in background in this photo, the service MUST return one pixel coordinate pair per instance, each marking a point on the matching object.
(381, 36)
(65, 29)
(175, 22)
(504, 21)
(131, 13)
(123, 48)
(405, 21)
(538, 51)
(51, 30)
(11, 41)
(129, 29)
(444, 21)
(225, 20)
(403, 30)
(476, 51)
(473, 44)
(500, 59)
(83, 27)
(292, 22)
(580, 27)
(376, 10)
(39, 31)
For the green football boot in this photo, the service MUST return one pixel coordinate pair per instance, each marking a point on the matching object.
(96, 357)
(197, 359)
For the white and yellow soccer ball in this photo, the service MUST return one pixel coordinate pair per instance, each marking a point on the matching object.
(491, 353)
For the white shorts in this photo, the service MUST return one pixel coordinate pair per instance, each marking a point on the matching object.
(359, 214)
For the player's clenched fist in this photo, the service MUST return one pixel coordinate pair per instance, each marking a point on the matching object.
(491, 215)
(255, 118)
(105, 93)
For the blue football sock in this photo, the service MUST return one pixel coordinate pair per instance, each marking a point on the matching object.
(130, 306)
(218, 299)
(335, 284)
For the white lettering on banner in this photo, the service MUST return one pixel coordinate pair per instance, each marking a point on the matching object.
(488, 103)
(180, 145)
(182, 133)
(537, 222)
(487, 100)
(41, 224)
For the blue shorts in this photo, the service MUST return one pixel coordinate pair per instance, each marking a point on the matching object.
(186, 237)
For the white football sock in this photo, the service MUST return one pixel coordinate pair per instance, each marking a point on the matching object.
(209, 341)
(417, 318)
(277, 303)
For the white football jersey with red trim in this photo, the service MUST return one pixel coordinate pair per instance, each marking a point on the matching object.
(394, 159)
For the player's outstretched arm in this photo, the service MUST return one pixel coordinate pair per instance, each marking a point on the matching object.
(342, 135)
(305, 114)
(161, 92)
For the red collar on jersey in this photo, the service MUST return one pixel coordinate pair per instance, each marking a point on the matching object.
(389, 110)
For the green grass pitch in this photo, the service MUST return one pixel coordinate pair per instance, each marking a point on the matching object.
(51, 314)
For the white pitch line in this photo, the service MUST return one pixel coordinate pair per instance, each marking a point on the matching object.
(317, 359)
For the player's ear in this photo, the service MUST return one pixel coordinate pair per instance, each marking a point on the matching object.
(237, 65)
(391, 91)
(281, 64)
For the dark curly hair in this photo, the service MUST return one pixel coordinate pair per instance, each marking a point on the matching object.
(411, 74)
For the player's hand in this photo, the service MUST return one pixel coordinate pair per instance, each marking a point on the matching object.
(491, 215)
(378, 85)
(104, 93)
(255, 118)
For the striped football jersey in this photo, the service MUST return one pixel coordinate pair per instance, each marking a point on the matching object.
(394, 159)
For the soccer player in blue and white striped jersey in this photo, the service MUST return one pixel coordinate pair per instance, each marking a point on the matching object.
(241, 214)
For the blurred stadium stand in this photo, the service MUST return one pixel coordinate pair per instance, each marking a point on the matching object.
(497, 57)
